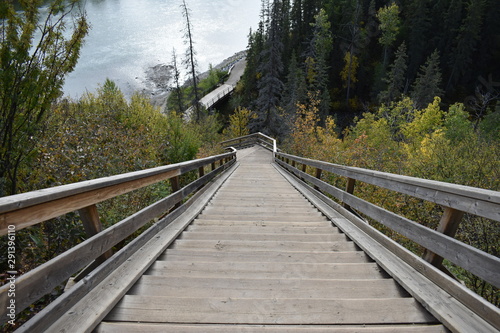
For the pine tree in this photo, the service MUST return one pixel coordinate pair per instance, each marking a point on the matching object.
(270, 86)
(396, 78)
(177, 84)
(190, 60)
(466, 41)
(418, 35)
(428, 82)
(316, 67)
(295, 88)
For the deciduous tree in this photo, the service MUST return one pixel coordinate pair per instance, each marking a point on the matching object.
(35, 56)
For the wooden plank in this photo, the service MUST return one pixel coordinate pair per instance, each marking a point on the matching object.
(262, 211)
(267, 270)
(231, 235)
(229, 245)
(269, 311)
(264, 217)
(151, 285)
(281, 228)
(260, 223)
(448, 225)
(258, 209)
(446, 299)
(97, 296)
(266, 256)
(111, 327)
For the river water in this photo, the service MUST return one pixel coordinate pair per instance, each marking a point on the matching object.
(128, 37)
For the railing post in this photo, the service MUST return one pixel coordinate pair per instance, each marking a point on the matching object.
(92, 225)
(304, 170)
(318, 176)
(448, 225)
(201, 171)
(174, 183)
(349, 189)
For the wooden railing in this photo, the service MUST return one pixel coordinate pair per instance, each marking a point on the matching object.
(455, 199)
(252, 139)
(28, 209)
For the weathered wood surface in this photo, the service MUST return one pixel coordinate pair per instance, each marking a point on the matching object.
(27, 209)
(482, 264)
(472, 200)
(253, 258)
(86, 304)
(179, 328)
(453, 304)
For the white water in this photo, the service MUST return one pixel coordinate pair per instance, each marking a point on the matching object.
(129, 36)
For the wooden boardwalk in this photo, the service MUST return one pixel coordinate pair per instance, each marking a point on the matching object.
(260, 257)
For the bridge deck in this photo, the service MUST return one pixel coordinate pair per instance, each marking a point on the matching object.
(261, 257)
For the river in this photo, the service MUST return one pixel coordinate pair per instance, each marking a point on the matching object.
(129, 37)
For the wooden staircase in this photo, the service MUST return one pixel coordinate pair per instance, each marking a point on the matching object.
(260, 257)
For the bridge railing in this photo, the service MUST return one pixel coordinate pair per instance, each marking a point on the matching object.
(28, 209)
(438, 244)
(251, 140)
(456, 200)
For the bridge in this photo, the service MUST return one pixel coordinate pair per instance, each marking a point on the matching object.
(256, 244)
(212, 98)
(227, 88)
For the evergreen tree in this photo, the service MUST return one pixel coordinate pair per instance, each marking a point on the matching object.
(248, 81)
(190, 60)
(466, 42)
(396, 78)
(32, 75)
(295, 89)
(270, 85)
(316, 62)
(418, 35)
(428, 82)
(178, 98)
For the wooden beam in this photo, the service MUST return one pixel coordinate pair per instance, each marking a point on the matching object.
(27, 209)
(174, 183)
(480, 263)
(448, 225)
(349, 189)
(318, 176)
(92, 225)
(480, 202)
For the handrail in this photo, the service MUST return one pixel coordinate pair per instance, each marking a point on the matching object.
(28, 209)
(251, 139)
(456, 199)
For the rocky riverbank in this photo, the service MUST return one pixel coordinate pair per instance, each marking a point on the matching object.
(158, 79)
